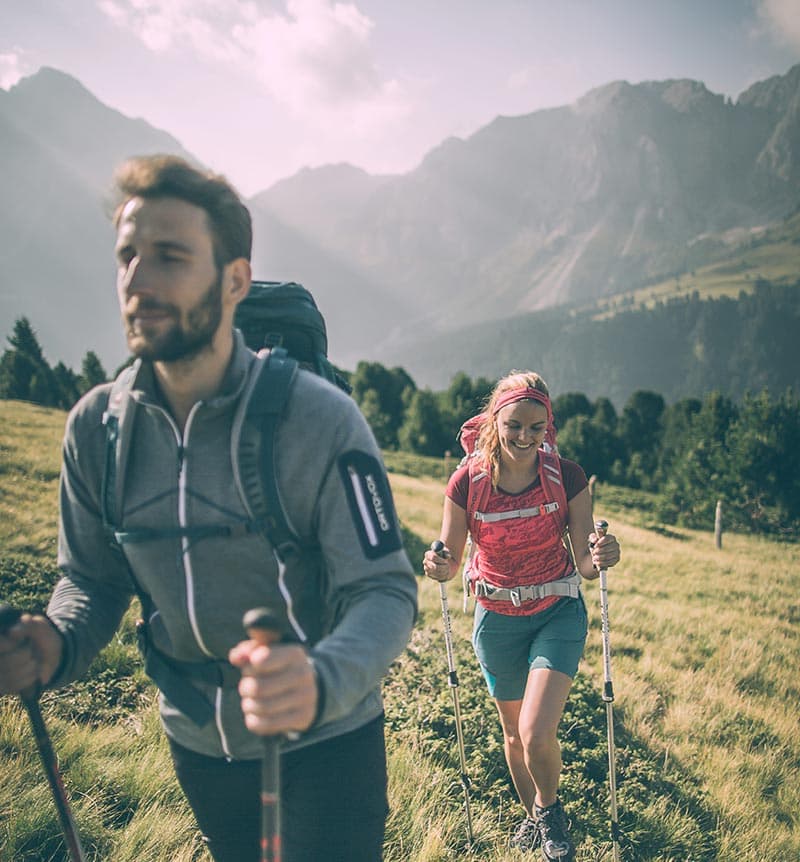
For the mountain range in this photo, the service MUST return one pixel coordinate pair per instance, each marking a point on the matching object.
(563, 208)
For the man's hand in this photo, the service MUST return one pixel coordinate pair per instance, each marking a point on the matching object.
(30, 653)
(278, 687)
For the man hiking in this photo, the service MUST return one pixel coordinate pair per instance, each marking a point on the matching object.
(164, 514)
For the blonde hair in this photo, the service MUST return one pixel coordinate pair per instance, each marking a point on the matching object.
(488, 442)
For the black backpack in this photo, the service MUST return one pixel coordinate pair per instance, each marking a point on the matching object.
(284, 314)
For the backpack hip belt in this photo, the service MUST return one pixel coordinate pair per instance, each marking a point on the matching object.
(176, 679)
(569, 586)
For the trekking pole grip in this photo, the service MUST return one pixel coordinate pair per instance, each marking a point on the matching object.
(438, 548)
(30, 700)
(9, 616)
(600, 530)
(266, 627)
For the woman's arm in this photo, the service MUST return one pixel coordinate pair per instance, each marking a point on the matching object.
(454, 535)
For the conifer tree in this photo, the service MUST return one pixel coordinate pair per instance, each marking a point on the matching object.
(24, 372)
(92, 371)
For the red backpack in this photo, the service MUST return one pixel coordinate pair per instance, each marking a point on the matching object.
(480, 484)
(480, 487)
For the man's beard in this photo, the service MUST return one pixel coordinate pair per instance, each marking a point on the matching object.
(179, 342)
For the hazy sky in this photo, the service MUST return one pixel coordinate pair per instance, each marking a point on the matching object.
(258, 89)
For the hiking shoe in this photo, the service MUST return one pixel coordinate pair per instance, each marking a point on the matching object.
(526, 835)
(554, 833)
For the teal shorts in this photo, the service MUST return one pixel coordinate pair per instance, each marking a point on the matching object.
(508, 648)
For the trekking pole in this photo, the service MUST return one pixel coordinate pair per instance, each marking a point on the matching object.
(452, 680)
(30, 700)
(266, 628)
(600, 528)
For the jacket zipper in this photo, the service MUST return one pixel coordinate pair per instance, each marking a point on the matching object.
(182, 441)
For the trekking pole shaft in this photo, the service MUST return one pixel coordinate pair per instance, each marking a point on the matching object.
(30, 700)
(69, 828)
(452, 681)
(608, 698)
(612, 782)
(261, 626)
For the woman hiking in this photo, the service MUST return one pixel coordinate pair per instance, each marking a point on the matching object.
(517, 499)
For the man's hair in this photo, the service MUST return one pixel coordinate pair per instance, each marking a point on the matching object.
(163, 176)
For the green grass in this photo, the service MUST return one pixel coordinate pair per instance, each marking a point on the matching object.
(771, 254)
(706, 646)
(30, 442)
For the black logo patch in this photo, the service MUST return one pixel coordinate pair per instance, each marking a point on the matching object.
(371, 504)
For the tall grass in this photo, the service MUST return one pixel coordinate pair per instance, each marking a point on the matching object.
(705, 646)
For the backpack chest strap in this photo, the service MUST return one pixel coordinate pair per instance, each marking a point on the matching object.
(533, 512)
(140, 535)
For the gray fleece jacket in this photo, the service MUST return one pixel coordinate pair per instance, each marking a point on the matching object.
(334, 490)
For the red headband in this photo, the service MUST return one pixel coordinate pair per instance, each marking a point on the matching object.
(526, 393)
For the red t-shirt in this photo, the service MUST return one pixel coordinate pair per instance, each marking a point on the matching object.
(516, 553)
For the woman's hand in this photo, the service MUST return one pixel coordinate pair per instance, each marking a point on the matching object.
(436, 564)
(604, 550)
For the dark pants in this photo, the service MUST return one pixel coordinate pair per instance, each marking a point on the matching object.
(333, 800)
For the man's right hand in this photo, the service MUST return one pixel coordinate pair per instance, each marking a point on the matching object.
(30, 653)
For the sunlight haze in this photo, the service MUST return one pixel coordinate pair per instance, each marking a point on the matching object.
(258, 89)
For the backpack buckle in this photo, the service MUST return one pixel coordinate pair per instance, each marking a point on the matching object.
(482, 589)
(514, 595)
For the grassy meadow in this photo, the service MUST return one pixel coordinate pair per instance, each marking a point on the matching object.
(706, 649)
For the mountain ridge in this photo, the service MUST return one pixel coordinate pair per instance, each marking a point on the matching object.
(566, 206)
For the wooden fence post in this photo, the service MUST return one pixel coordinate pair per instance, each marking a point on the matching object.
(718, 525)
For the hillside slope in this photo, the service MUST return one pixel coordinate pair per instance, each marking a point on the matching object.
(708, 745)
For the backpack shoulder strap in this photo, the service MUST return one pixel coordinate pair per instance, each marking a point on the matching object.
(263, 407)
(552, 479)
(117, 419)
(302, 580)
(480, 489)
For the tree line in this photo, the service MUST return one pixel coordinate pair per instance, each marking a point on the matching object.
(26, 375)
(677, 347)
(687, 455)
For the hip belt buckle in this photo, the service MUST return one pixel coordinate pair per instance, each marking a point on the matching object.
(482, 589)
(514, 595)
